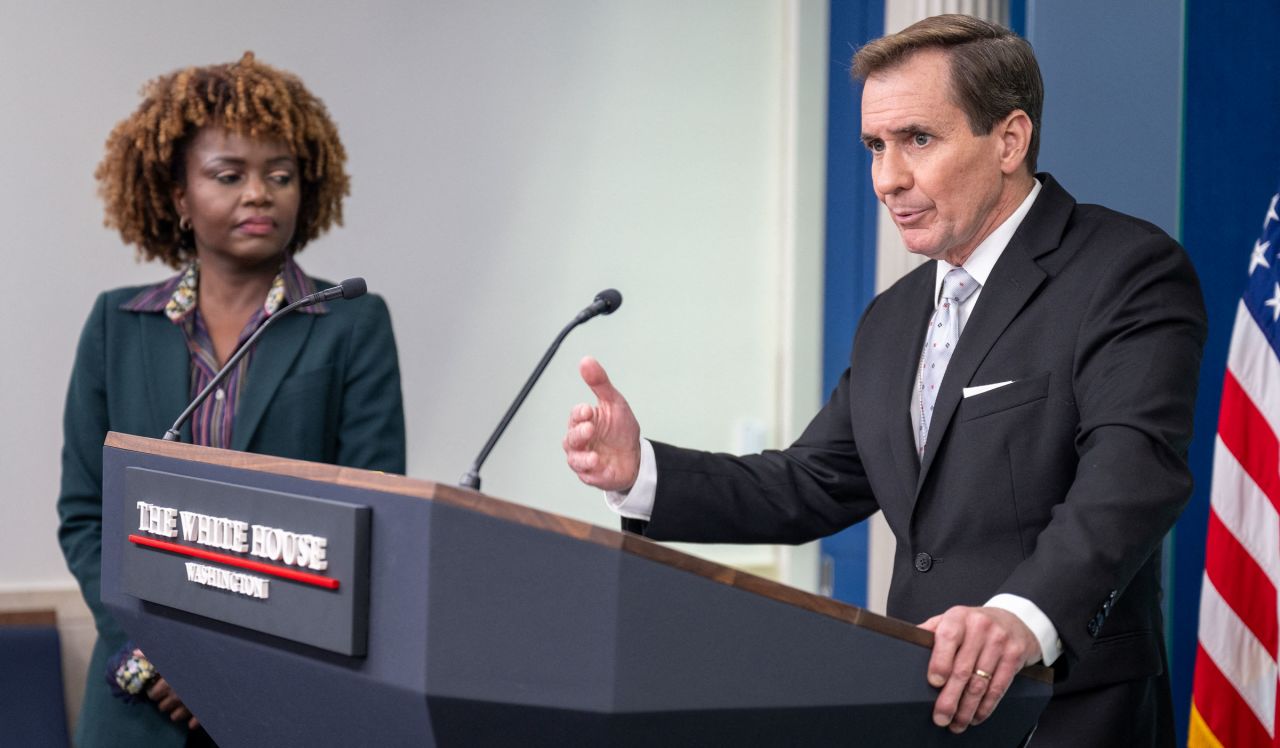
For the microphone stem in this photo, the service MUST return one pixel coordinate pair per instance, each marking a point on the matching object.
(472, 477)
(172, 435)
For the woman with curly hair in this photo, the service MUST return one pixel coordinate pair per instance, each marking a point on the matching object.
(224, 173)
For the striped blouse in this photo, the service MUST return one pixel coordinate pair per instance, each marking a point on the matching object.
(214, 421)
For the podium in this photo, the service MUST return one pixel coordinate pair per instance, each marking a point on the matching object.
(294, 603)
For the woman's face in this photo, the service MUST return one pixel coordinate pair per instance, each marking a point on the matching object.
(241, 196)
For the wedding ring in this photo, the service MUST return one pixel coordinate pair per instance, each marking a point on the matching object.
(982, 674)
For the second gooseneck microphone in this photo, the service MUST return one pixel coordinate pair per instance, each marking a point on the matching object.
(348, 289)
(606, 302)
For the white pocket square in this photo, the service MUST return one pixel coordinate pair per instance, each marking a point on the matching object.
(971, 391)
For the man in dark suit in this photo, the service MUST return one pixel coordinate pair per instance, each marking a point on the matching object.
(1029, 468)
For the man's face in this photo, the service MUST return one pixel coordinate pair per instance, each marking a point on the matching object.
(942, 184)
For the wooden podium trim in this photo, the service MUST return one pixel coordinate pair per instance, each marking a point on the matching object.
(28, 618)
(524, 515)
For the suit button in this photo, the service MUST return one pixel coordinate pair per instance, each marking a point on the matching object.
(924, 562)
(1095, 625)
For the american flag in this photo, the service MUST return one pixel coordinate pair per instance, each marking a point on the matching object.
(1234, 692)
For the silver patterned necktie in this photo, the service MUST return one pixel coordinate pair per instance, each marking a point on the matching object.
(939, 344)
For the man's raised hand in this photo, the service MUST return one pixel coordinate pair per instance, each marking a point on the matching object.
(602, 445)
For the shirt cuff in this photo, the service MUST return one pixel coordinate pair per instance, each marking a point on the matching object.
(1035, 619)
(637, 503)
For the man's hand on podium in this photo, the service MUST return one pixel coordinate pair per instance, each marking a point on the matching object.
(976, 654)
(169, 703)
(603, 442)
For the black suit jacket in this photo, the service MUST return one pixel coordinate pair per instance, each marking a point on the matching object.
(1058, 487)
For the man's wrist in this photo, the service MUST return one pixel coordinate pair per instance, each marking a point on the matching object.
(637, 501)
(1035, 620)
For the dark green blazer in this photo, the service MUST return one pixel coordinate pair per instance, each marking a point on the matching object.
(321, 387)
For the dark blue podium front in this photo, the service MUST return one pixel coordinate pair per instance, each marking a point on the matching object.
(479, 622)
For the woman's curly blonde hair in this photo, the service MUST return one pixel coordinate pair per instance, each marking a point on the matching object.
(145, 151)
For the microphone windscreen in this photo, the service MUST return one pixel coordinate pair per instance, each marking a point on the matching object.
(611, 298)
(353, 287)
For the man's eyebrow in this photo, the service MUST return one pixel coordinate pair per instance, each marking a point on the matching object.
(908, 130)
(913, 128)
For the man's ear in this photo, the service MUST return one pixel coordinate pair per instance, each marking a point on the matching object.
(1014, 137)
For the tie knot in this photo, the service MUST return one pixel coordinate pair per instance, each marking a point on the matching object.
(958, 285)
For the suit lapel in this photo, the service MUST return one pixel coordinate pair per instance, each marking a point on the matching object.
(272, 358)
(167, 375)
(1013, 281)
(903, 376)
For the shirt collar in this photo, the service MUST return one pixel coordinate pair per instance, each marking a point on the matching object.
(983, 259)
(176, 297)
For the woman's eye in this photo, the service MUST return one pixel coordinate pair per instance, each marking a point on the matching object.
(281, 178)
(227, 177)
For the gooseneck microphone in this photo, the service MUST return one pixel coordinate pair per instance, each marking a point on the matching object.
(348, 289)
(606, 302)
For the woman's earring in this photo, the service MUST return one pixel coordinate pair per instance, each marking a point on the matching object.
(186, 237)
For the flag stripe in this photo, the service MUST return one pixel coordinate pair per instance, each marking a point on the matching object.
(1226, 715)
(1242, 584)
(1245, 431)
(1242, 660)
(1245, 512)
(1252, 361)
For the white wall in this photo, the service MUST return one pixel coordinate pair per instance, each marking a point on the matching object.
(509, 159)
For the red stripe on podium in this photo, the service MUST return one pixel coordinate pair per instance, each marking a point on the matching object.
(222, 558)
